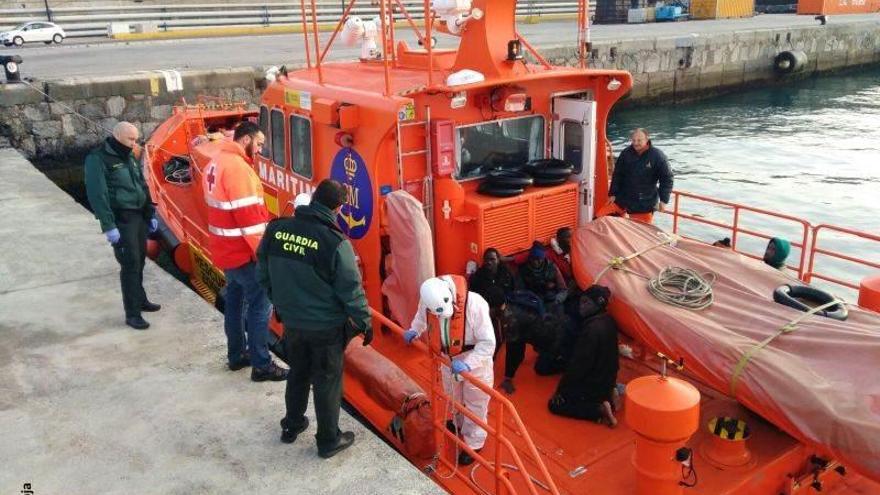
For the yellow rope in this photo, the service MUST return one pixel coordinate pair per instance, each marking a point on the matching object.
(617, 262)
(787, 328)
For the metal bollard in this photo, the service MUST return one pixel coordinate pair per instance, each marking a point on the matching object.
(11, 65)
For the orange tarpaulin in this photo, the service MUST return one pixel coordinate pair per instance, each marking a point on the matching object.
(819, 383)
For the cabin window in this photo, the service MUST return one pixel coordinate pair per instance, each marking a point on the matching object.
(573, 144)
(264, 126)
(301, 145)
(499, 144)
(278, 138)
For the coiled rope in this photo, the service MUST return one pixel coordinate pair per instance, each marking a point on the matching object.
(676, 286)
(683, 287)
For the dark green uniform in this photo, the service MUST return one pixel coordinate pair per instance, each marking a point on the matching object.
(308, 267)
(120, 199)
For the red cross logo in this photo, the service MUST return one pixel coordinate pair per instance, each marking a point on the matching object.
(210, 178)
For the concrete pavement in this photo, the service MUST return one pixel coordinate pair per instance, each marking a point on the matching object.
(88, 405)
(112, 58)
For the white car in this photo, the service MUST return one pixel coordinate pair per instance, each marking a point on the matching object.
(28, 32)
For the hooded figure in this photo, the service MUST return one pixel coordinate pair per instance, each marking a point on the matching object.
(459, 325)
(777, 252)
(586, 388)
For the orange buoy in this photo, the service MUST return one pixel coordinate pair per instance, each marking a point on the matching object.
(869, 293)
(664, 413)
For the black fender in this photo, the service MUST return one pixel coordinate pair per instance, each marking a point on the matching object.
(789, 62)
(550, 181)
(509, 178)
(789, 295)
(500, 191)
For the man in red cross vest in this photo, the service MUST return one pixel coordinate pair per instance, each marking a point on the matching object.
(237, 218)
(459, 325)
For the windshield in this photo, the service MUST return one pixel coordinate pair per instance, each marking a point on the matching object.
(20, 27)
(499, 144)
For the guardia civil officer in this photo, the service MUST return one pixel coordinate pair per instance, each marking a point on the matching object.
(120, 200)
(309, 270)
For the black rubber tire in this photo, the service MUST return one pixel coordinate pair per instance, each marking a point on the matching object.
(788, 295)
(489, 189)
(18, 41)
(547, 182)
(547, 163)
(47, 42)
(57, 39)
(509, 178)
(552, 173)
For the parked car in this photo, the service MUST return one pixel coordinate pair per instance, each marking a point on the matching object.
(29, 32)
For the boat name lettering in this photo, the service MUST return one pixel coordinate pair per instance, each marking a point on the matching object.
(280, 179)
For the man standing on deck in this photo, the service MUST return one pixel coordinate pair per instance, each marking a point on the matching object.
(642, 181)
(459, 325)
(236, 221)
(120, 200)
(308, 267)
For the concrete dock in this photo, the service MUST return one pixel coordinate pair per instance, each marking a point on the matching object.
(88, 405)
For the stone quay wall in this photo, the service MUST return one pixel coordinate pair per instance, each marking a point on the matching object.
(677, 69)
(665, 70)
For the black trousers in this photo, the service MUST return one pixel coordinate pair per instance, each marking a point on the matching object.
(315, 359)
(131, 251)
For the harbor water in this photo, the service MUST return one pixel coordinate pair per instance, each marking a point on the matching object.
(809, 150)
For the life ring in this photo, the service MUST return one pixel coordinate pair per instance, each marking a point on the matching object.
(547, 163)
(511, 178)
(550, 181)
(499, 191)
(789, 62)
(789, 296)
(548, 168)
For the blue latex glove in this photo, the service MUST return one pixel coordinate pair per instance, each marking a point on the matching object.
(112, 235)
(154, 225)
(459, 366)
(410, 335)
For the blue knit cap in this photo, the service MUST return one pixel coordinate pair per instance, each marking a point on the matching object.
(537, 251)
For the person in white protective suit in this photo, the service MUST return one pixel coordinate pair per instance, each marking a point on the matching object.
(459, 325)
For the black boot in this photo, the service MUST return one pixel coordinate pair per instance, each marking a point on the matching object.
(150, 307)
(137, 322)
(288, 435)
(465, 459)
(272, 373)
(344, 441)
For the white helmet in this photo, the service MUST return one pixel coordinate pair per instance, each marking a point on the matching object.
(438, 296)
(302, 199)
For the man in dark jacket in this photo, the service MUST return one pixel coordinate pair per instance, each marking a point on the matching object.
(493, 273)
(309, 270)
(540, 275)
(642, 181)
(587, 385)
(120, 200)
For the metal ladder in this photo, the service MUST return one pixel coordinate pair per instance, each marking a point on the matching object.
(427, 182)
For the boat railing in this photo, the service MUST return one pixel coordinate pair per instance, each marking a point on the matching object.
(816, 249)
(504, 409)
(809, 243)
(735, 227)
